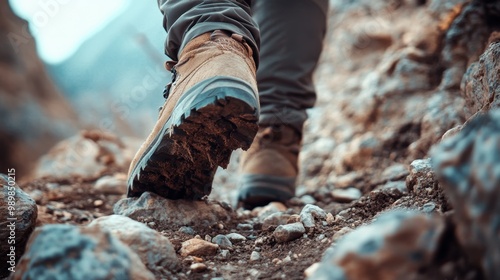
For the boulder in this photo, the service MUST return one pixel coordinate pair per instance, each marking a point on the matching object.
(480, 85)
(395, 246)
(155, 250)
(171, 213)
(467, 166)
(86, 155)
(18, 213)
(69, 252)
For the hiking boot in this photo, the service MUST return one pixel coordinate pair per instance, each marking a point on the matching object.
(211, 109)
(269, 168)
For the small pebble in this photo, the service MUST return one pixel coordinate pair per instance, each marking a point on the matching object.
(187, 230)
(287, 259)
(151, 224)
(309, 212)
(269, 209)
(259, 241)
(255, 256)
(320, 237)
(222, 241)
(254, 272)
(275, 220)
(236, 237)
(198, 247)
(285, 233)
(224, 254)
(330, 219)
(98, 203)
(244, 227)
(208, 238)
(307, 199)
(198, 267)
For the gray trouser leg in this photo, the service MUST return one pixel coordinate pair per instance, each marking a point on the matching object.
(292, 33)
(187, 19)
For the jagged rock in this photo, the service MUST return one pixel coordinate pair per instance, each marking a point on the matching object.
(443, 111)
(395, 246)
(346, 195)
(289, 232)
(309, 212)
(154, 249)
(274, 220)
(463, 42)
(86, 155)
(171, 212)
(421, 176)
(480, 85)
(467, 166)
(89, 252)
(198, 247)
(223, 241)
(18, 213)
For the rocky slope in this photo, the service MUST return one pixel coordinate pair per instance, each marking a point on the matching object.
(34, 114)
(399, 172)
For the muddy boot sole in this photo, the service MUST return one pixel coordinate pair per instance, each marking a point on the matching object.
(208, 123)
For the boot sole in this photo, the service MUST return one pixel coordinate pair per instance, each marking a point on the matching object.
(210, 120)
(259, 190)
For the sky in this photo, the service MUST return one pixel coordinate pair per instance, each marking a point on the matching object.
(61, 26)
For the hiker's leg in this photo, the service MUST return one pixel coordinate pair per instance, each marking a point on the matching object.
(185, 20)
(292, 33)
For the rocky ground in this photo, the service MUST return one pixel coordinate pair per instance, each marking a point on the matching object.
(399, 176)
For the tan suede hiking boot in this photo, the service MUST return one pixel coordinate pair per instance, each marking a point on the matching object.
(269, 168)
(211, 109)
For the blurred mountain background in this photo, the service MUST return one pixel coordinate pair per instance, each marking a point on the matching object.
(100, 66)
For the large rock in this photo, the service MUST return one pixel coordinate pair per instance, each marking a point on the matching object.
(168, 213)
(464, 41)
(69, 252)
(480, 85)
(467, 165)
(34, 114)
(18, 213)
(86, 155)
(154, 249)
(394, 247)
